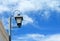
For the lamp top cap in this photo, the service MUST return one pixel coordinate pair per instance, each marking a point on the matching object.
(18, 14)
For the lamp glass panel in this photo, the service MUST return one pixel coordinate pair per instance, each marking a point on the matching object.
(19, 20)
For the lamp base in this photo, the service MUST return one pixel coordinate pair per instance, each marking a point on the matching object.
(19, 24)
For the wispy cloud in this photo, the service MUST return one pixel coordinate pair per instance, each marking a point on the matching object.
(38, 37)
(55, 37)
(3, 8)
(46, 15)
(30, 37)
(27, 20)
(26, 5)
(30, 5)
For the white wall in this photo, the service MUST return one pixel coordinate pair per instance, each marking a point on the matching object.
(3, 34)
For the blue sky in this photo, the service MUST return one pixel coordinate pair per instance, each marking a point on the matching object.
(41, 19)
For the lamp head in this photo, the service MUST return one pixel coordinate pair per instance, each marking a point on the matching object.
(19, 20)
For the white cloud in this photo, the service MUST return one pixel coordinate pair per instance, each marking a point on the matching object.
(30, 37)
(46, 15)
(54, 5)
(38, 4)
(3, 8)
(26, 5)
(29, 5)
(38, 37)
(55, 37)
(27, 20)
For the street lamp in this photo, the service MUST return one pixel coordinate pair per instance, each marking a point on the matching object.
(19, 20)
